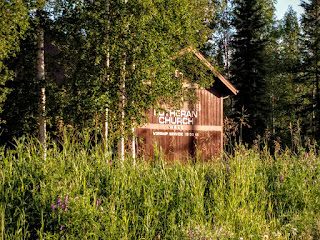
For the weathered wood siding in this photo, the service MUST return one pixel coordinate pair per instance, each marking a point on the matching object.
(190, 132)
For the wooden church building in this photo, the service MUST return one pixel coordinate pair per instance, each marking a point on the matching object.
(193, 131)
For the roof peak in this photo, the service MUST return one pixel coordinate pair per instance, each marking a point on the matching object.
(223, 80)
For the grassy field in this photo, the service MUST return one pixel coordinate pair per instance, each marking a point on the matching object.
(80, 193)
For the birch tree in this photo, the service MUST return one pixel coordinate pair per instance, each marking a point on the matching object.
(143, 38)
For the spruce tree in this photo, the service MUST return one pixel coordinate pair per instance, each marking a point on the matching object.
(311, 72)
(248, 68)
(285, 67)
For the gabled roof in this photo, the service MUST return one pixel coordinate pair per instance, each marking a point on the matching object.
(221, 78)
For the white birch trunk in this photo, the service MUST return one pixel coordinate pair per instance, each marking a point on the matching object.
(133, 146)
(106, 117)
(105, 130)
(122, 112)
(41, 78)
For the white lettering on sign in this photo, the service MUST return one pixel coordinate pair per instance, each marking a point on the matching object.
(178, 134)
(160, 133)
(176, 117)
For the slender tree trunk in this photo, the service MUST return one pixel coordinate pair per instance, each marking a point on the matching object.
(133, 146)
(41, 78)
(105, 130)
(106, 116)
(122, 104)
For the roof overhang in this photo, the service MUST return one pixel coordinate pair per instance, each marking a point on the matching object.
(222, 81)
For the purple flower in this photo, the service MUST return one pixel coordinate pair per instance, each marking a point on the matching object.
(220, 230)
(191, 233)
(65, 208)
(281, 178)
(69, 221)
(66, 200)
(53, 206)
(37, 187)
(58, 202)
(98, 202)
(61, 227)
(213, 219)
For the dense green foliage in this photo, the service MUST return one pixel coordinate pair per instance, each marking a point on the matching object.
(13, 24)
(79, 192)
(114, 55)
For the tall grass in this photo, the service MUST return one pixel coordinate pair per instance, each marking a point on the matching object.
(79, 192)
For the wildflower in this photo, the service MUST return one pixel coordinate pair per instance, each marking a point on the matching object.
(37, 187)
(61, 227)
(98, 202)
(69, 221)
(66, 200)
(191, 233)
(314, 182)
(53, 206)
(220, 230)
(65, 208)
(281, 178)
(213, 219)
(58, 202)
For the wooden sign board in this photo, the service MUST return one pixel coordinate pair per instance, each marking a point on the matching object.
(190, 132)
